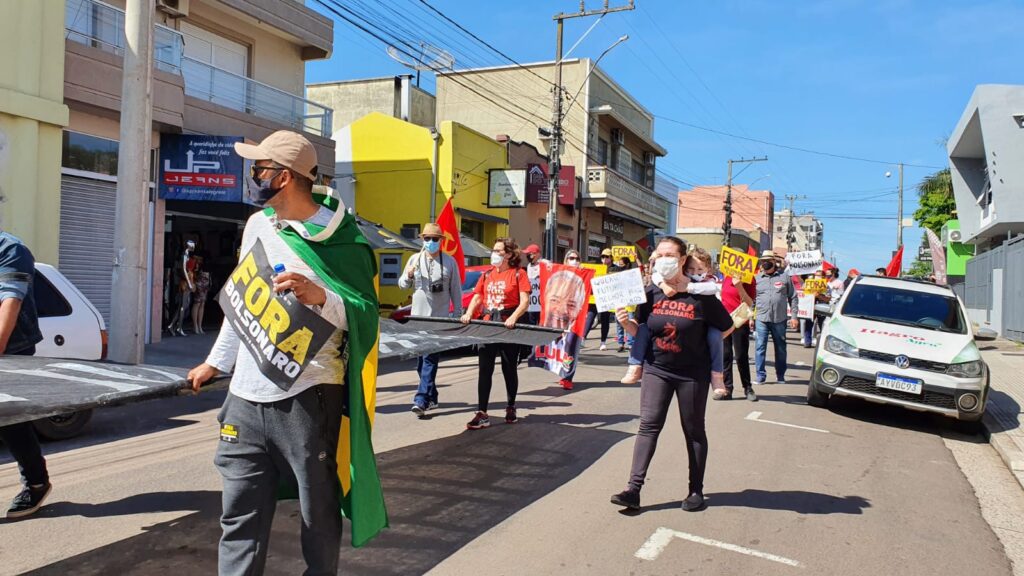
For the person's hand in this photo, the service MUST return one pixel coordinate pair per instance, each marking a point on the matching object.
(621, 316)
(736, 280)
(668, 290)
(304, 289)
(465, 318)
(510, 323)
(201, 375)
(792, 324)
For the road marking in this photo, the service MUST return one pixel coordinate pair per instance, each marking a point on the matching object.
(801, 363)
(756, 417)
(662, 537)
(9, 398)
(57, 376)
(96, 371)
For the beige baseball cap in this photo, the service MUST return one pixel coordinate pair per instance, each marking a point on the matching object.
(289, 149)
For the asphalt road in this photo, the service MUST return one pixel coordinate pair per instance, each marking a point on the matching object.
(856, 489)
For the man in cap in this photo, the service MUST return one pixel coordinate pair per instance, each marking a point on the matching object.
(278, 437)
(434, 276)
(533, 264)
(775, 291)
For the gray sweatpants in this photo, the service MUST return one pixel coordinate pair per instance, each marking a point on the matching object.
(656, 391)
(264, 445)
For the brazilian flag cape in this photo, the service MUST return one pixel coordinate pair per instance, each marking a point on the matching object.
(341, 256)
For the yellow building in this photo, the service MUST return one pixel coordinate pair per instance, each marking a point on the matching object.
(385, 170)
(32, 115)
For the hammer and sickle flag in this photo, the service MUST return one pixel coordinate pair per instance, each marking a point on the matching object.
(341, 256)
(452, 243)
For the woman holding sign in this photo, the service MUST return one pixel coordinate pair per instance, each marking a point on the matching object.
(679, 363)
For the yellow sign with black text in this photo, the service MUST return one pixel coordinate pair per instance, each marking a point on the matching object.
(736, 263)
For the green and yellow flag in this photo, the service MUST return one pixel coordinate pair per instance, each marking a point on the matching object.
(342, 257)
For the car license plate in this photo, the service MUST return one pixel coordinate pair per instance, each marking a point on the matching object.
(899, 384)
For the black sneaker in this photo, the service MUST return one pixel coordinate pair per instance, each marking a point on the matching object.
(694, 503)
(432, 405)
(750, 395)
(479, 421)
(627, 499)
(28, 501)
(510, 415)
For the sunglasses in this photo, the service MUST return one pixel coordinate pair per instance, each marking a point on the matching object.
(572, 259)
(256, 171)
(431, 238)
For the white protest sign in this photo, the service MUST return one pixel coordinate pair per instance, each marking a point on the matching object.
(801, 263)
(806, 307)
(533, 273)
(619, 290)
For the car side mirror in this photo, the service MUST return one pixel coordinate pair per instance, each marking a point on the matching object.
(983, 334)
(823, 309)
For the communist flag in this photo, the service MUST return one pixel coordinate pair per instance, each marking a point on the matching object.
(895, 267)
(452, 243)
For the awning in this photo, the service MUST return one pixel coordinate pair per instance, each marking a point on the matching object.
(380, 238)
(481, 217)
(473, 249)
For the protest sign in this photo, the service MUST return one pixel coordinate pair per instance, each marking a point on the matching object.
(806, 307)
(736, 263)
(815, 286)
(627, 252)
(801, 263)
(279, 332)
(533, 273)
(599, 270)
(564, 293)
(620, 290)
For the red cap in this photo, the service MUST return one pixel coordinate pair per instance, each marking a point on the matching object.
(531, 249)
(854, 272)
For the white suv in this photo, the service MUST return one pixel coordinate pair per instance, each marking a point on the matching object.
(901, 342)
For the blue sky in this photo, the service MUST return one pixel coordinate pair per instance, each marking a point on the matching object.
(880, 79)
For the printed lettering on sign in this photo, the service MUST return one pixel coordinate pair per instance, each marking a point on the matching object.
(801, 263)
(815, 286)
(674, 308)
(736, 263)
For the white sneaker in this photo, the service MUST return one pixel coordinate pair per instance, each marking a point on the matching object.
(633, 374)
(603, 346)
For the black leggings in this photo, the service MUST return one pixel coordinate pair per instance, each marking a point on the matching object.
(509, 369)
(604, 317)
(655, 397)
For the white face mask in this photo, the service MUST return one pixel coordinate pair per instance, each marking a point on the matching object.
(667, 267)
(697, 277)
(497, 258)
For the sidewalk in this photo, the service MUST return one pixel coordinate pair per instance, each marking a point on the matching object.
(1004, 416)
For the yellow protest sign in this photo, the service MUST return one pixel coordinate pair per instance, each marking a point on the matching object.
(736, 263)
(599, 270)
(627, 252)
(815, 286)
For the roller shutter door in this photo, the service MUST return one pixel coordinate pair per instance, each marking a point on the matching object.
(86, 249)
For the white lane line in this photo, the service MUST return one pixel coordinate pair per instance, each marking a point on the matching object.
(756, 417)
(801, 363)
(97, 371)
(9, 398)
(120, 387)
(662, 537)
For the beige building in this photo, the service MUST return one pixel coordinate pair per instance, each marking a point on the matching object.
(797, 232)
(396, 96)
(609, 140)
(221, 68)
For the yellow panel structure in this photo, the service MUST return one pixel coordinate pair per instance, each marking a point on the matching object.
(391, 162)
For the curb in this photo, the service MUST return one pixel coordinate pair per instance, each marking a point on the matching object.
(1005, 446)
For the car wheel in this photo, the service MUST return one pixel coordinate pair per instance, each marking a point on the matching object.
(815, 397)
(62, 426)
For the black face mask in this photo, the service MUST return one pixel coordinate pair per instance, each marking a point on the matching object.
(262, 191)
(768, 267)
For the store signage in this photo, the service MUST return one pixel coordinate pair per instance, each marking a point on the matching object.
(198, 167)
(506, 188)
(537, 184)
(613, 226)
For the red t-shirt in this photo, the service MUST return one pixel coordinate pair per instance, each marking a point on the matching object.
(500, 290)
(731, 296)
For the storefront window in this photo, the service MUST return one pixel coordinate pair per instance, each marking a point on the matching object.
(89, 153)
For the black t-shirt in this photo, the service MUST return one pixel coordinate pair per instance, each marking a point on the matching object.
(678, 329)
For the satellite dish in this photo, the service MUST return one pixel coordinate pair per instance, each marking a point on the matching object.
(428, 57)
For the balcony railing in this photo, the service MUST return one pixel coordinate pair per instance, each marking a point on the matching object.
(607, 184)
(247, 95)
(101, 26)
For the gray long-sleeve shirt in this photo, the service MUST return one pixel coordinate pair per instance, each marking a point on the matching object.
(775, 292)
(426, 271)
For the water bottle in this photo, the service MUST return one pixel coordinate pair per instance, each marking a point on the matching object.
(278, 270)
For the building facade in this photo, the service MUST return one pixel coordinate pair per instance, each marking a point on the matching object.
(396, 96)
(702, 217)
(231, 68)
(797, 232)
(608, 140)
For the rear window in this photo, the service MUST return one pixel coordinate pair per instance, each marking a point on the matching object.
(49, 301)
(906, 308)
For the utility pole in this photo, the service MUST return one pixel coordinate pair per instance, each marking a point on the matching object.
(899, 213)
(555, 153)
(127, 319)
(791, 231)
(727, 227)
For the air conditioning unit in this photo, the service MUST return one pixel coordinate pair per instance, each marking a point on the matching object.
(955, 236)
(173, 8)
(618, 137)
(649, 158)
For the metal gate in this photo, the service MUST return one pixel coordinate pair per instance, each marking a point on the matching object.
(86, 249)
(1013, 290)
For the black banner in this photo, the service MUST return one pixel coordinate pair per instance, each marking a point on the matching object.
(421, 336)
(280, 333)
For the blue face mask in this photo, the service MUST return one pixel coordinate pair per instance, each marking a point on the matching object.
(432, 246)
(261, 191)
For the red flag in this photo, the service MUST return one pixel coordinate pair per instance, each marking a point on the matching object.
(895, 267)
(452, 243)
(750, 250)
(826, 266)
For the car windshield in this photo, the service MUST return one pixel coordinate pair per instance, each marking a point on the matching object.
(905, 307)
(471, 278)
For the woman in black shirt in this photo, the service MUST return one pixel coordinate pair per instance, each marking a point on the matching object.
(679, 363)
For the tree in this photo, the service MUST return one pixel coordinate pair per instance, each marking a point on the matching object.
(936, 204)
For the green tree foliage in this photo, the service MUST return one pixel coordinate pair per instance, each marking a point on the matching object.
(936, 204)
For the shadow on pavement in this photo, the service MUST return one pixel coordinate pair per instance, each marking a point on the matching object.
(192, 501)
(441, 495)
(1007, 405)
(797, 501)
(898, 417)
